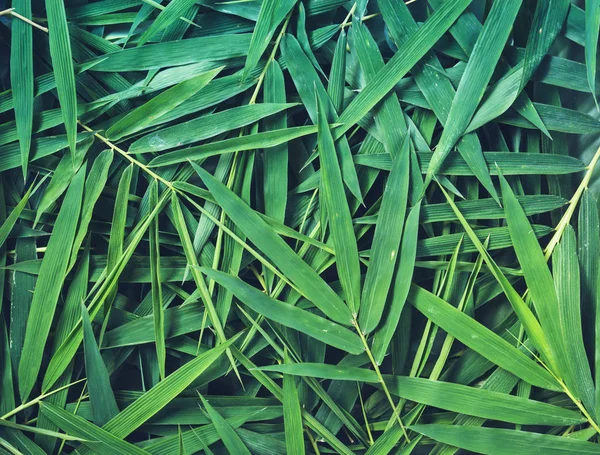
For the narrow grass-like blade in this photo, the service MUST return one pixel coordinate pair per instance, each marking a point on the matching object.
(592, 26)
(479, 338)
(401, 285)
(206, 126)
(476, 77)
(159, 105)
(337, 75)
(436, 88)
(338, 211)
(402, 62)
(157, 300)
(95, 437)
(499, 441)
(265, 139)
(21, 77)
(65, 352)
(539, 281)
(547, 22)
(137, 413)
(275, 161)
(62, 63)
(49, 284)
(270, 16)
(298, 271)
(524, 313)
(296, 318)
(101, 394)
(174, 10)
(10, 221)
(230, 439)
(386, 242)
(565, 268)
(292, 416)
(307, 82)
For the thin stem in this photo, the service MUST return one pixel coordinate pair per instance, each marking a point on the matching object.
(346, 20)
(566, 219)
(577, 403)
(27, 21)
(365, 18)
(364, 413)
(261, 78)
(37, 400)
(127, 156)
(380, 378)
(313, 443)
(581, 407)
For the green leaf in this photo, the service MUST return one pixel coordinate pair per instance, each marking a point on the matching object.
(282, 256)
(307, 82)
(401, 285)
(230, 439)
(539, 282)
(266, 139)
(565, 267)
(270, 16)
(48, 287)
(292, 416)
(592, 26)
(94, 184)
(9, 222)
(479, 338)
(96, 438)
(101, 394)
(175, 53)
(136, 414)
(168, 100)
(386, 242)
(335, 88)
(296, 318)
(21, 77)
(547, 22)
(437, 89)
(401, 63)
(206, 126)
(66, 351)
(62, 65)
(340, 220)
(510, 163)
(478, 73)
(497, 441)
(62, 177)
(275, 161)
(170, 14)
(158, 311)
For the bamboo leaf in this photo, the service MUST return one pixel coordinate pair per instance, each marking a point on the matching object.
(479, 338)
(340, 220)
(307, 280)
(21, 77)
(49, 283)
(478, 73)
(500, 441)
(101, 394)
(292, 416)
(62, 63)
(592, 26)
(304, 321)
(230, 439)
(160, 105)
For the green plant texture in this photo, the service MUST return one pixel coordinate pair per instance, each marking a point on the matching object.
(299, 227)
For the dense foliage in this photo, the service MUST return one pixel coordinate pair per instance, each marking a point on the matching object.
(299, 226)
